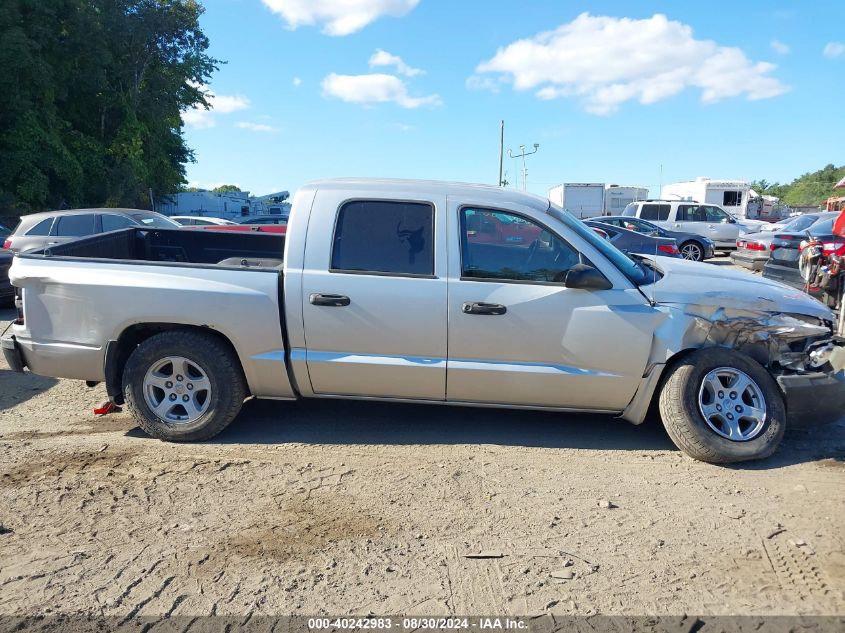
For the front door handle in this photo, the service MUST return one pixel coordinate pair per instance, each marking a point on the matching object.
(483, 308)
(320, 299)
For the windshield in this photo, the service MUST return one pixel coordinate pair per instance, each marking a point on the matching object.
(155, 220)
(628, 266)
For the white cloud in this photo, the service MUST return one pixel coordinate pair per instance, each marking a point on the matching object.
(374, 88)
(296, 82)
(255, 127)
(779, 47)
(198, 117)
(834, 49)
(338, 17)
(606, 61)
(383, 58)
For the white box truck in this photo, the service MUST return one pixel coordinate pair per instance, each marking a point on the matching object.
(581, 199)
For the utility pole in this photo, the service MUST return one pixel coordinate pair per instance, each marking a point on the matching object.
(522, 154)
(501, 151)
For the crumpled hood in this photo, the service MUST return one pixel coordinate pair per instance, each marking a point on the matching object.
(698, 283)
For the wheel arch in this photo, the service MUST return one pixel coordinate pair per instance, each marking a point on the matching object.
(118, 350)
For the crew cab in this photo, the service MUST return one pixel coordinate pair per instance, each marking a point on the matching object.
(395, 290)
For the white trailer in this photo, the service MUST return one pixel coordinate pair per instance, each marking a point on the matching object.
(732, 195)
(581, 199)
(617, 197)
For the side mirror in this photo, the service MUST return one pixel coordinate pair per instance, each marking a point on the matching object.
(584, 277)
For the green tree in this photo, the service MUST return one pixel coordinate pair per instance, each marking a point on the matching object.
(815, 187)
(226, 188)
(93, 95)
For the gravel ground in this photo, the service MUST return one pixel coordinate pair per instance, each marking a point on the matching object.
(351, 507)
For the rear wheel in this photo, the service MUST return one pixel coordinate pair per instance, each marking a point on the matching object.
(722, 406)
(692, 251)
(183, 386)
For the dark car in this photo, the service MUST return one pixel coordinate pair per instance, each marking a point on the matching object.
(635, 243)
(7, 292)
(267, 219)
(5, 232)
(40, 230)
(786, 251)
(692, 246)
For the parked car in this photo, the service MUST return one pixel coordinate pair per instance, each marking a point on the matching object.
(196, 220)
(633, 242)
(50, 228)
(382, 295)
(754, 249)
(7, 291)
(707, 220)
(267, 219)
(786, 251)
(692, 246)
(5, 232)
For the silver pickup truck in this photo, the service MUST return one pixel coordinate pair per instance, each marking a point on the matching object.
(426, 292)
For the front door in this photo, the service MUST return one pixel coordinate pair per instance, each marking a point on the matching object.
(374, 298)
(518, 336)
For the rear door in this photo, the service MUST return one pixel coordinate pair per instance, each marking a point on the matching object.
(518, 336)
(67, 228)
(374, 297)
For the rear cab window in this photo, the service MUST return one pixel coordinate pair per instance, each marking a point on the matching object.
(384, 237)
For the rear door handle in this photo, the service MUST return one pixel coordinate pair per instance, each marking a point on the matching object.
(320, 299)
(483, 308)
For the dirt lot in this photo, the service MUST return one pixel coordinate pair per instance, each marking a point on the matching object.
(335, 507)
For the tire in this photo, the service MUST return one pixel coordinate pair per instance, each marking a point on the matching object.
(685, 397)
(203, 365)
(692, 251)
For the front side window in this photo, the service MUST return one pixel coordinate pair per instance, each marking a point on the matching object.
(115, 222)
(502, 245)
(42, 228)
(384, 236)
(75, 225)
(715, 214)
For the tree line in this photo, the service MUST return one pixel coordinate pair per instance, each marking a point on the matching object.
(810, 189)
(90, 113)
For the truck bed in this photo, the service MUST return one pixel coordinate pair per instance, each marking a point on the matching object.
(217, 248)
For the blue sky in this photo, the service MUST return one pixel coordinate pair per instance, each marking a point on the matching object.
(749, 89)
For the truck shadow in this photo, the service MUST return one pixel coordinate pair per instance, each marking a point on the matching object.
(16, 388)
(358, 422)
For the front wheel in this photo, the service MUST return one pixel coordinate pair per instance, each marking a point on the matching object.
(183, 386)
(692, 251)
(722, 406)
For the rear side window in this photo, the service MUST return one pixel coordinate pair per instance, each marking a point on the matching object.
(384, 237)
(42, 228)
(115, 222)
(74, 225)
(659, 212)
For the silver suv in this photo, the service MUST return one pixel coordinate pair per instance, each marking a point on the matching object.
(708, 220)
(40, 230)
